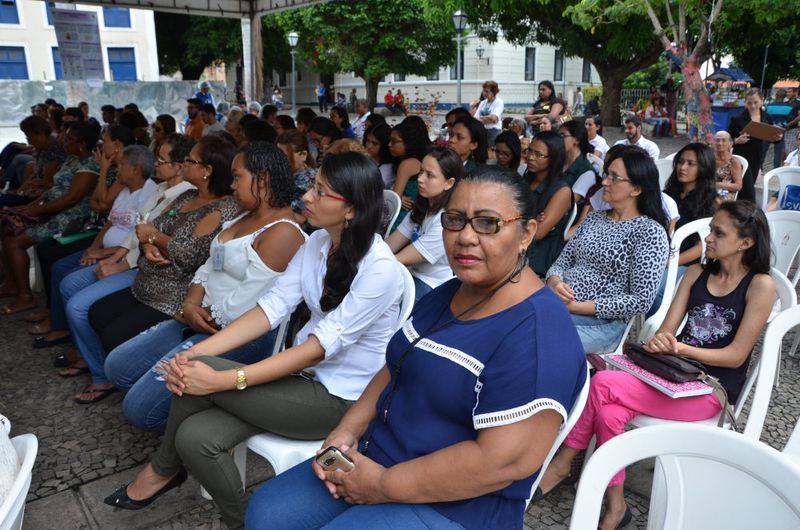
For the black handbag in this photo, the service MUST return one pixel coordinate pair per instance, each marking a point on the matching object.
(680, 370)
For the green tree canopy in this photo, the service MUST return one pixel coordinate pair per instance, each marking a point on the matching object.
(190, 43)
(374, 38)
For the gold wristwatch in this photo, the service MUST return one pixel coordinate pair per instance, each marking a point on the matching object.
(241, 380)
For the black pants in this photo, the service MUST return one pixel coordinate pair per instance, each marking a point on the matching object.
(120, 316)
(49, 251)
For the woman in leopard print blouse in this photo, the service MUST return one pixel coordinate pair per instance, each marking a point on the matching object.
(611, 268)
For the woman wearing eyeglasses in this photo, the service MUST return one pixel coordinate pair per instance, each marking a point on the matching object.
(455, 426)
(161, 128)
(174, 245)
(350, 281)
(610, 269)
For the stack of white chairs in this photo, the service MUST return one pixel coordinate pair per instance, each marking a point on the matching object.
(785, 176)
(12, 510)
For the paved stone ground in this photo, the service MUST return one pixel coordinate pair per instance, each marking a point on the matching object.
(85, 452)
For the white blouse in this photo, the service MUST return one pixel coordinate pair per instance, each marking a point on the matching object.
(354, 335)
(234, 276)
(427, 240)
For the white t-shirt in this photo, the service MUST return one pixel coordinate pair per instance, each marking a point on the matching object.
(213, 128)
(644, 143)
(427, 240)
(667, 203)
(494, 108)
(584, 182)
(791, 159)
(599, 143)
(387, 173)
(123, 214)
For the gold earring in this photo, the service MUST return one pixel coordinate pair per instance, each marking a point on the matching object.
(205, 177)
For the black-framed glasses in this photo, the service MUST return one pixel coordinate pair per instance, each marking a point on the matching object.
(535, 154)
(192, 162)
(482, 224)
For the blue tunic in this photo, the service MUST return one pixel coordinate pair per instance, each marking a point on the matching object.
(472, 375)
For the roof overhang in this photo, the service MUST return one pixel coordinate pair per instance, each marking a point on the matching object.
(209, 8)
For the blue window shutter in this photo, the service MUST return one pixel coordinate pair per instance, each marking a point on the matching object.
(8, 12)
(59, 71)
(116, 17)
(122, 64)
(12, 63)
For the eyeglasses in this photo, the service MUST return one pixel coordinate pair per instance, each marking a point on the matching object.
(320, 193)
(482, 224)
(535, 154)
(615, 178)
(193, 162)
(160, 162)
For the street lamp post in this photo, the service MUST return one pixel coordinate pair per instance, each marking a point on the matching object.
(460, 22)
(293, 37)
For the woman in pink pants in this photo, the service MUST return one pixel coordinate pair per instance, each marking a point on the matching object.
(727, 301)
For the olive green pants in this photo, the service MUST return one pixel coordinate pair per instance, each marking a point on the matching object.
(202, 429)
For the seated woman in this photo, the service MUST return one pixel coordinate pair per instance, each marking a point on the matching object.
(729, 169)
(656, 116)
(508, 152)
(350, 281)
(342, 121)
(246, 258)
(118, 270)
(323, 132)
(469, 141)
(295, 146)
(174, 245)
(610, 269)
(594, 129)
(486, 369)
(552, 199)
(578, 171)
(408, 144)
(135, 167)
(66, 203)
(376, 142)
(417, 242)
(733, 293)
(691, 185)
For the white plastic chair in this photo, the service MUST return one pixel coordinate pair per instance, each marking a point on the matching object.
(572, 419)
(784, 228)
(745, 164)
(12, 510)
(572, 216)
(723, 479)
(785, 175)
(664, 166)
(701, 227)
(393, 202)
(283, 453)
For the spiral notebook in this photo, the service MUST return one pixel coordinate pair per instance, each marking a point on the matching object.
(673, 390)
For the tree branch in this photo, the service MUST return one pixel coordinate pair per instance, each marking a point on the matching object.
(702, 43)
(658, 30)
(683, 41)
(672, 26)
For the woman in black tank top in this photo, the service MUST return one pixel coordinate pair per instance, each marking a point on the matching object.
(727, 301)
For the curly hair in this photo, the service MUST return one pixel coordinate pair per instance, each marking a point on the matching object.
(271, 171)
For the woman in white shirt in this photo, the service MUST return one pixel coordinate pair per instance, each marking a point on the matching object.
(490, 111)
(417, 243)
(245, 259)
(595, 128)
(350, 280)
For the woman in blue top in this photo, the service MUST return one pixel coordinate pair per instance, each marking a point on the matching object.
(456, 425)
(342, 120)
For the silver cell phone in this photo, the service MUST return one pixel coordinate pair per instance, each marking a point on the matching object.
(333, 458)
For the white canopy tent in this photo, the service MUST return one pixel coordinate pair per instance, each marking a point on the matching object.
(246, 10)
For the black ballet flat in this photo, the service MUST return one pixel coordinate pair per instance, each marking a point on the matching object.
(626, 519)
(120, 499)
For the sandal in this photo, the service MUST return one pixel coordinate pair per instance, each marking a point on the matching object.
(72, 370)
(65, 360)
(41, 342)
(41, 328)
(37, 316)
(98, 394)
(13, 308)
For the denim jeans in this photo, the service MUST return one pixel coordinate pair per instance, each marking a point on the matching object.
(420, 289)
(599, 335)
(79, 277)
(77, 309)
(128, 367)
(297, 500)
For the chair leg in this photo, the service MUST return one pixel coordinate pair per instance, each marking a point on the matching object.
(795, 344)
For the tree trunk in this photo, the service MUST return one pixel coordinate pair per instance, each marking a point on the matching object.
(372, 92)
(612, 79)
(258, 59)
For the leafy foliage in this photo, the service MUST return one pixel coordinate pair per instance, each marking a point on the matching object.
(190, 43)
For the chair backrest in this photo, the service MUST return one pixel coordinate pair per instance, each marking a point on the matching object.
(701, 227)
(572, 419)
(784, 228)
(13, 507)
(758, 483)
(392, 201)
(572, 216)
(765, 371)
(664, 166)
(743, 161)
(785, 175)
(5, 424)
(409, 293)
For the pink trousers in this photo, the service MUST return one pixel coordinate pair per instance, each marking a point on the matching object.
(616, 397)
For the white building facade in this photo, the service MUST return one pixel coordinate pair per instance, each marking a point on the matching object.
(517, 69)
(29, 49)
